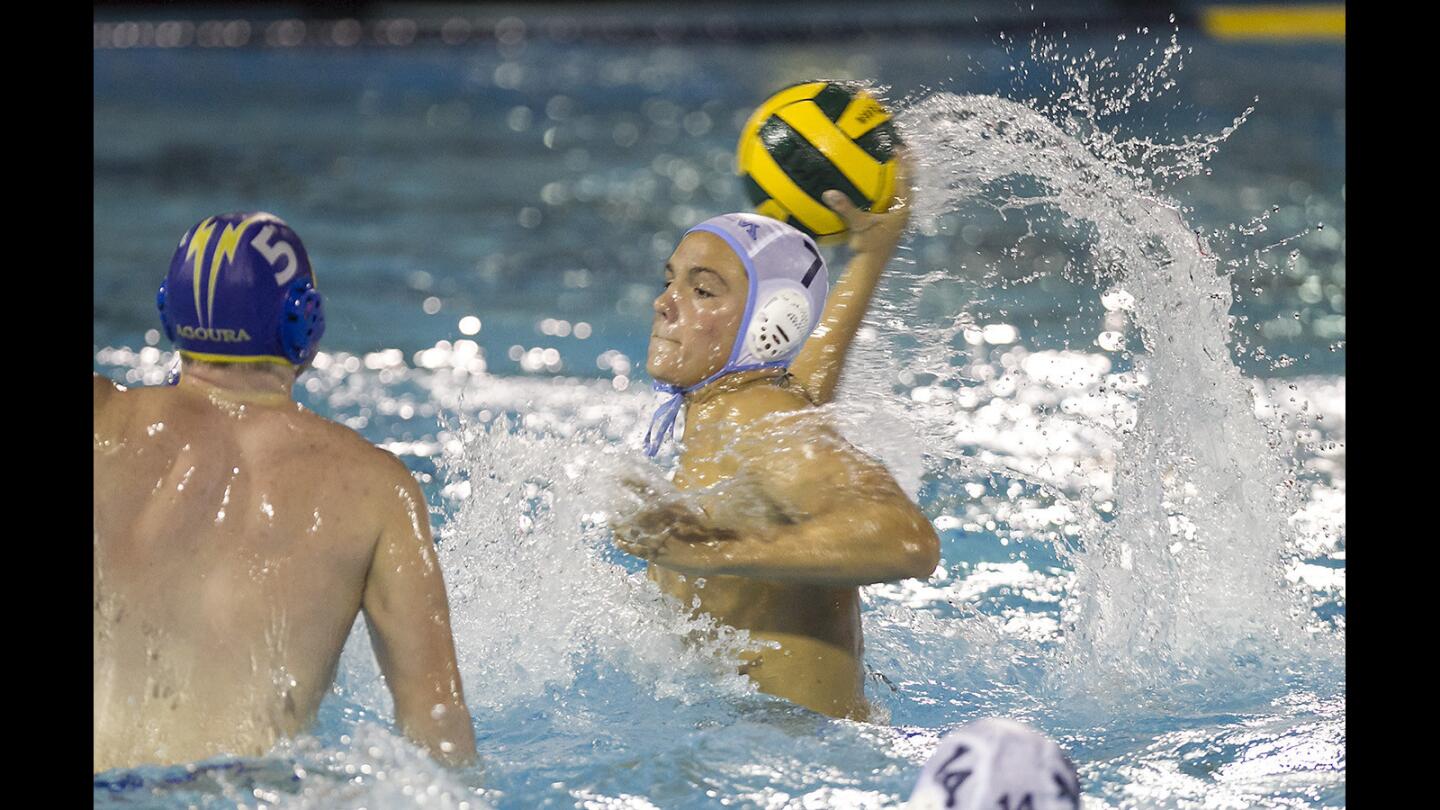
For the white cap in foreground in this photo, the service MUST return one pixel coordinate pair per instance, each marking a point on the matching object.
(997, 764)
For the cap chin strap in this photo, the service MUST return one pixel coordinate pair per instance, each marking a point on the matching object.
(662, 424)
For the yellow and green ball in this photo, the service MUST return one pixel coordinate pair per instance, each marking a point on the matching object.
(812, 137)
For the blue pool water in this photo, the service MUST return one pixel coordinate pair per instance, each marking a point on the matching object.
(532, 185)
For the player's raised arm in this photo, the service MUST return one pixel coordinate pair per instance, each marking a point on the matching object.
(409, 619)
(873, 240)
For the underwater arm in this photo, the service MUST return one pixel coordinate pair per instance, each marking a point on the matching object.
(873, 240)
(409, 619)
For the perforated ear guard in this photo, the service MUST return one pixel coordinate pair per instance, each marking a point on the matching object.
(302, 323)
(779, 323)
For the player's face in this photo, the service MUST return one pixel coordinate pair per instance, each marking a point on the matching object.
(698, 314)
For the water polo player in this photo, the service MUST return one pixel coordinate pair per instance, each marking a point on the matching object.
(996, 763)
(238, 535)
(781, 520)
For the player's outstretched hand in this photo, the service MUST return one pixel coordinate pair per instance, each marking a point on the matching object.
(871, 232)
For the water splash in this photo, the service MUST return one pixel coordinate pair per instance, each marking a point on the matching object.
(961, 426)
(372, 767)
(1188, 578)
(538, 591)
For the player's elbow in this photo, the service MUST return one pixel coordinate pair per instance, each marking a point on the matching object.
(920, 549)
(904, 545)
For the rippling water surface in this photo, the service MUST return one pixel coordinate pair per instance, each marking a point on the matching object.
(1109, 363)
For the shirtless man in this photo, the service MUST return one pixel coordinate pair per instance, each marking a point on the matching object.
(782, 520)
(238, 535)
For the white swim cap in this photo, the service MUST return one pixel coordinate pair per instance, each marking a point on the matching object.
(997, 764)
(788, 285)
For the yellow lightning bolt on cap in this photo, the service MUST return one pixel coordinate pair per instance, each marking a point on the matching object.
(196, 251)
(225, 252)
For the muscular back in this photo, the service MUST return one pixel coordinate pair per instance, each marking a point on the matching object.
(233, 540)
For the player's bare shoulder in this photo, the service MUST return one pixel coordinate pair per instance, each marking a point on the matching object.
(792, 446)
(737, 421)
(781, 414)
(377, 472)
(123, 414)
(109, 398)
(105, 390)
(774, 403)
(347, 446)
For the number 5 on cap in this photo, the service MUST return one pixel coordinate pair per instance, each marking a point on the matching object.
(274, 253)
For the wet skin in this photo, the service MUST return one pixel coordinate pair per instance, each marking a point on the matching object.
(237, 537)
(786, 519)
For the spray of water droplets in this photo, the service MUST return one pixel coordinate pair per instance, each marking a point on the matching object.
(1183, 576)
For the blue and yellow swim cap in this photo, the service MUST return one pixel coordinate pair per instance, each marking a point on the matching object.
(240, 290)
